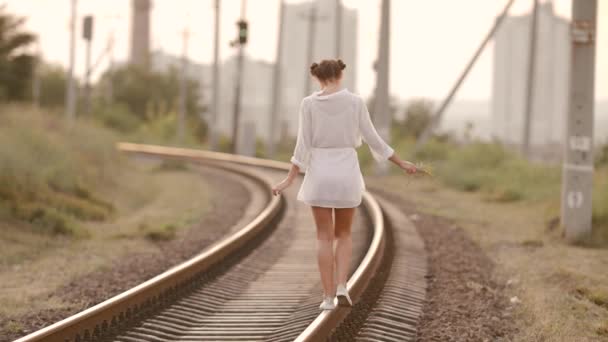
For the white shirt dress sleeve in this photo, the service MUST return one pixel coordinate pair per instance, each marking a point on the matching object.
(301, 154)
(380, 149)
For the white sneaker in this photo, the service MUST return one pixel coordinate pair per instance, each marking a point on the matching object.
(327, 304)
(342, 296)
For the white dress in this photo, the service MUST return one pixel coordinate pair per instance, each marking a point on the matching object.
(330, 129)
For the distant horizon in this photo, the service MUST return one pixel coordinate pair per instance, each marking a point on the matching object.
(598, 100)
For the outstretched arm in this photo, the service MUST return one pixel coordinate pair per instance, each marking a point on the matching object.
(380, 149)
(301, 153)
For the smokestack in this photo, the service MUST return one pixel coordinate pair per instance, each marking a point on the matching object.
(140, 33)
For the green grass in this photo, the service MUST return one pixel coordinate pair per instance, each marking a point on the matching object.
(49, 171)
(163, 131)
(602, 330)
(164, 232)
(600, 203)
(13, 327)
(598, 297)
(501, 176)
(172, 165)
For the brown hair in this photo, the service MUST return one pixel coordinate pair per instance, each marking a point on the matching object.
(328, 69)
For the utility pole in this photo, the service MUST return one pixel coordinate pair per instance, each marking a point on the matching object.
(240, 43)
(338, 29)
(530, 81)
(108, 91)
(381, 108)
(576, 204)
(110, 85)
(213, 130)
(36, 76)
(276, 86)
(87, 35)
(70, 93)
(140, 34)
(312, 17)
(183, 87)
(436, 119)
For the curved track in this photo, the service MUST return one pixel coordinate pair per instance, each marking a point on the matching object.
(261, 282)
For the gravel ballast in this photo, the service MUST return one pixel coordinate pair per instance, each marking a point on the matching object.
(464, 302)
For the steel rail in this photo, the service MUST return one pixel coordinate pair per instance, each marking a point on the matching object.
(326, 321)
(319, 329)
(92, 321)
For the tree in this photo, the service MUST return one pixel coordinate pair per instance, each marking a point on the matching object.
(418, 115)
(392, 107)
(52, 85)
(151, 94)
(16, 65)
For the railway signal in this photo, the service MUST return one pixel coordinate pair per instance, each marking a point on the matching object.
(239, 43)
(242, 24)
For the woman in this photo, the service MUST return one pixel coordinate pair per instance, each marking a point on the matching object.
(331, 124)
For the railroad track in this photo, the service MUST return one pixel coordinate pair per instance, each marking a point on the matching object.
(261, 282)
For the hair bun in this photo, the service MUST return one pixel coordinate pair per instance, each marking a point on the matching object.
(327, 69)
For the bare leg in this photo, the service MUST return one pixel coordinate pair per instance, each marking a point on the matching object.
(325, 253)
(344, 245)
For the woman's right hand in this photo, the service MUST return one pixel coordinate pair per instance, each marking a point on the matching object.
(277, 189)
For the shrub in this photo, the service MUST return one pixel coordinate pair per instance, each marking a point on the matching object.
(52, 85)
(602, 156)
(48, 172)
(600, 204)
(172, 165)
(47, 220)
(434, 150)
(418, 114)
(118, 117)
(224, 144)
(16, 60)
(162, 233)
(502, 175)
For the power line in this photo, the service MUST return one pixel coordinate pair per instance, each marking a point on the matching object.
(312, 17)
(338, 29)
(240, 44)
(276, 85)
(213, 131)
(70, 93)
(381, 110)
(183, 86)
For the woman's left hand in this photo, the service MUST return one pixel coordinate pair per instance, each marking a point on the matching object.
(408, 167)
(277, 189)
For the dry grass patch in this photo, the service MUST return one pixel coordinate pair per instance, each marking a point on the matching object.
(34, 265)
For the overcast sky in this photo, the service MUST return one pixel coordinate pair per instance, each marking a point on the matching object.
(430, 44)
